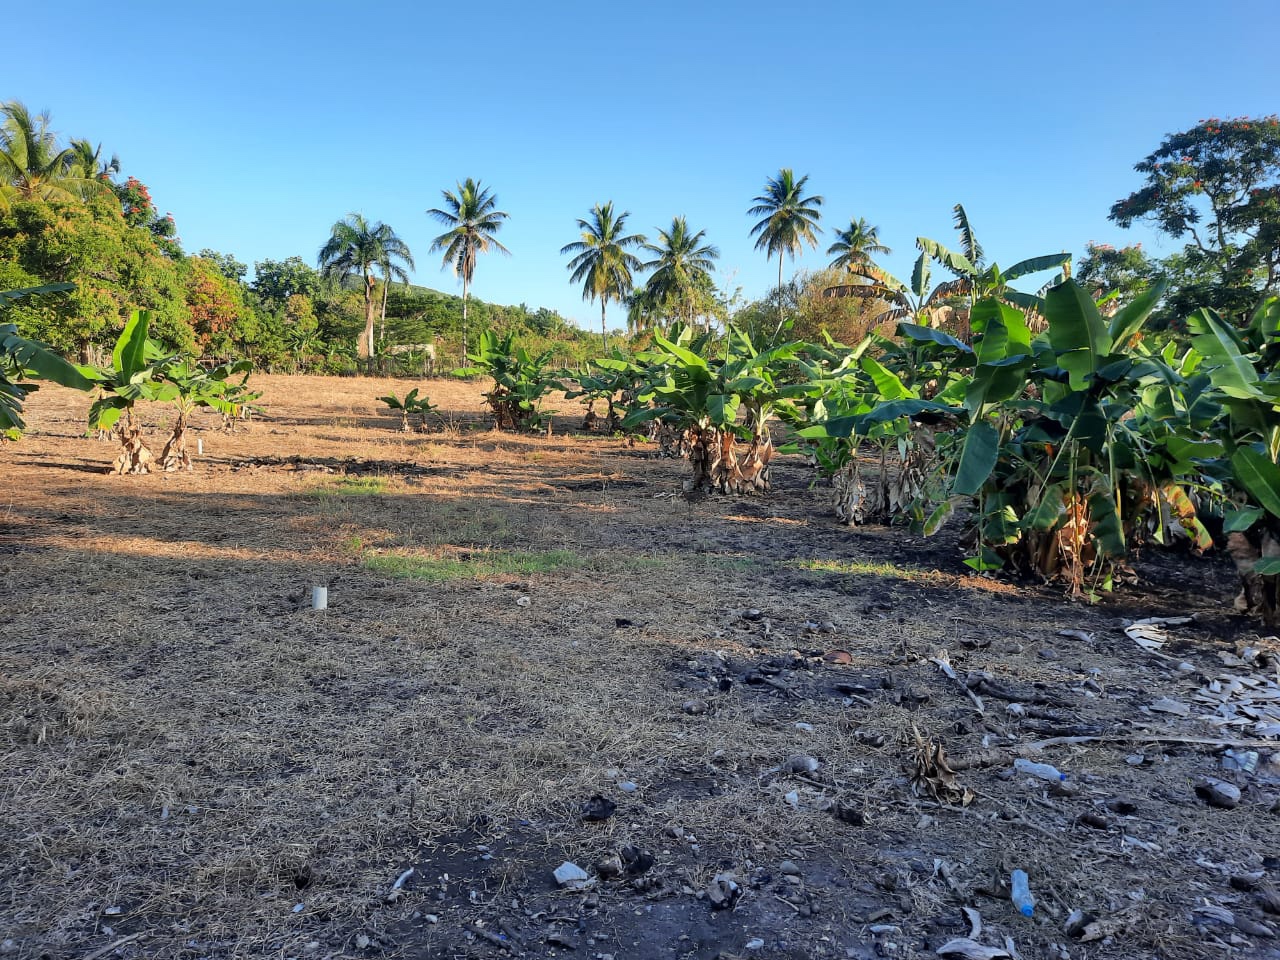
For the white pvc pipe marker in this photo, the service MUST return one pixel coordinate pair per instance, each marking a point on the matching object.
(319, 598)
(200, 446)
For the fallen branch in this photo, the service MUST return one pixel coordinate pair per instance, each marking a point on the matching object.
(103, 951)
(1147, 738)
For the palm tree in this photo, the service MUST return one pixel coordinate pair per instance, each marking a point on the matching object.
(32, 166)
(682, 264)
(790, 218)
(601, 258)
(472, 222)
(854, 246)
(89, 161)
(355, 248)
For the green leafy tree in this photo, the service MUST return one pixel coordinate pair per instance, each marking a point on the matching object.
(1115, 275)
(1217, 187)
(790, 219)
(275, 281)
(472, 218)
(682, 264)
(602, 261)
(356, 248)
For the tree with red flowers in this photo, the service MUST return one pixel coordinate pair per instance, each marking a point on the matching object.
(1217, 186)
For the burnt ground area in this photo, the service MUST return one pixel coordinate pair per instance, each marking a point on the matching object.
(194, 763)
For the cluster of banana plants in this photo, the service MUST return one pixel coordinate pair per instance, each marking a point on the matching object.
(142, 370)
(1238, 386)
(614, 380)
(520, 380)
(1070, 445)
(718, 396)
(412, 405)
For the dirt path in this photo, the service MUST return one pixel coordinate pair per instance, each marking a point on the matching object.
(193, 763)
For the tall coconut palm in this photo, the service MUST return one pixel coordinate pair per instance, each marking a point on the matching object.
(855, 245)
(472, 220)
(90, 163)
(681, 265)
(33, 166)
(790, 218)
(602, 260)
(357, 247)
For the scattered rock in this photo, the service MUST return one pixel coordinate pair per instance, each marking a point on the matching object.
(755, 943)
(848, 813)
(723, 891)
(1218, 793)
(752, 614)
(610, 867)
(694, 707)
(565, 941)
(788, 869)
(628, 786)
(571, 876)
(598, 809)
(362, 942)
(523, 601)
(970, 950)
(637, 861)
(1122, 807)
(804, 727)
(801, 763)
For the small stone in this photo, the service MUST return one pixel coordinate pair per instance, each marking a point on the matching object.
(793, 798)
(610, 867)
(1218, 793)
(523, 601)
(755, 943)
(598, 809)
(362, 942)
(430, 918)
(570, 875)
(801, 763)
(788, 869)
(826, 626)
(752, 614)
(804, 727)
(1185, 667)
(694, 707)
(627, 786)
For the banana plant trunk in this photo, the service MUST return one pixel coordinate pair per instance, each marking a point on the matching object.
(721, 464)
(174, 456)
(1259, 593)
(135, 456)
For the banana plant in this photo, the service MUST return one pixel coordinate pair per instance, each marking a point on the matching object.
(615, 380)
(520, 380)
(411, 404)
(972, 278)
(136, 373)
(1060, 454)
(23, 360)
(722, 404)
(885, 402)
(1241, 365)
(193, 387)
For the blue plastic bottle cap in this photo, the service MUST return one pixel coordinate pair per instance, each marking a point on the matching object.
(1028, 910)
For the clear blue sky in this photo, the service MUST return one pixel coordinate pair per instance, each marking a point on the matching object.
(260, 124)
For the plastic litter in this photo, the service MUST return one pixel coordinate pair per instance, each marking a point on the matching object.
(1044, 771)
(1021, 894)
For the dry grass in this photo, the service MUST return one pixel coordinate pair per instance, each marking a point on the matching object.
(186, 743)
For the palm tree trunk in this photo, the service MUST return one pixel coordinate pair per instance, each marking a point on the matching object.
(382, 331)
(365, 348)
(604, 334)
(466, 289)
(779, 286)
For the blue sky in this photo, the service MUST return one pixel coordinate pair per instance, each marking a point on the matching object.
(258, 125)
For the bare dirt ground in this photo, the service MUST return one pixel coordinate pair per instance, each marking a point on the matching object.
(194, 763)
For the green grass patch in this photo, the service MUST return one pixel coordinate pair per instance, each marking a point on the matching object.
(862, 567)
(470, 566)
(349, 487)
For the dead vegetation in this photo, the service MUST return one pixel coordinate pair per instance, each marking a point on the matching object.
(196, 764)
